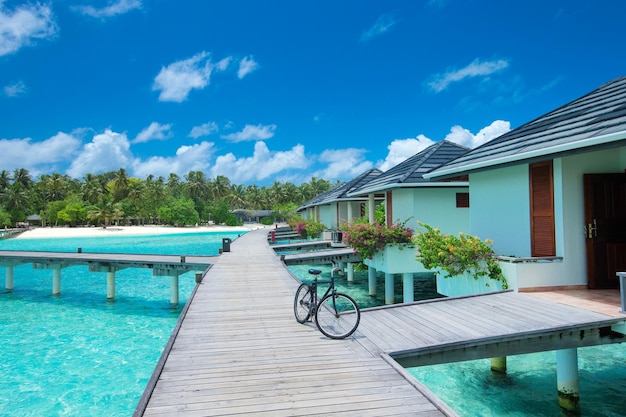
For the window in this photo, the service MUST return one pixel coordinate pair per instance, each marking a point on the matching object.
(462, 200)
(542, 209)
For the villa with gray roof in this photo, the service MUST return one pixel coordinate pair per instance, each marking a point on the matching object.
(335, 207)
(551, 193)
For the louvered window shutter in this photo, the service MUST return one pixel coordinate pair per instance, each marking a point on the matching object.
(542, 209)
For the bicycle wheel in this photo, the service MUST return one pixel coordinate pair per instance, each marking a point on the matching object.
(303, 303)
(337, 316)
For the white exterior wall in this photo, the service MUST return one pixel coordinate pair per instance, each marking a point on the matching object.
(433, 206)
(326, 214)
(500, 210)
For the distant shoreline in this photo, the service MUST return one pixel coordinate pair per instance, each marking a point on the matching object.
(72, 232)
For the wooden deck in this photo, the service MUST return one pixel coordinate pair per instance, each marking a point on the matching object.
(239, 350)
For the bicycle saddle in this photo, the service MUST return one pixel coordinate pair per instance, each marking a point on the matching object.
(314, 271)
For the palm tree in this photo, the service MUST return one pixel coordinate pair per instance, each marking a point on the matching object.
(93, 188)
(120, 184)
(220, 186)
(237, 196)
(22, 176)
(196, 185)
(5, 180)
(105, 211)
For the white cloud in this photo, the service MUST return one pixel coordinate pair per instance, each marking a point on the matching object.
(108, 151)
(261, 165)
(14, 90)
(178, 79)
(382, 26)
(22, 25)
(114, 8)
(343, 163)
(187, 158)
(464, 137)
(477, 68)
(250, 132)
(203, 130)
(402, 149)
(246, 66)
(155, 131)
(37, 156)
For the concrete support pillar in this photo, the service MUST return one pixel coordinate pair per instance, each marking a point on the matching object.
(408, 291)
(174, 289)
(390, 296)
(498, 364)
(8, 277)
(371, 281)
(350, 215)
(350, 272)
(111, 285)
(56, 281)
(567, 379)
(371, 206)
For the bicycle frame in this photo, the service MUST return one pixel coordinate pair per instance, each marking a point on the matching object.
(316, 298)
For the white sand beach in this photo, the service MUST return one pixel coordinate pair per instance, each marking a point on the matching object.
(61, 232)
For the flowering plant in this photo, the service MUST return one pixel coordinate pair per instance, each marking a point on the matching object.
(457, 255)
(366, 239)
(306, 228)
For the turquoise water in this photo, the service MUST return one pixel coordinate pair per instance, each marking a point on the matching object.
(529, 386)
(78, 354)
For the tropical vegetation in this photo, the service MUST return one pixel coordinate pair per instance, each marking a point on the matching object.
(117, 197)
(457, 255)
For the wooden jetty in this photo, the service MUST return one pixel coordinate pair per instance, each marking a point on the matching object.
(331, 256)
(161, 265)
(239, 351)
(302, 246)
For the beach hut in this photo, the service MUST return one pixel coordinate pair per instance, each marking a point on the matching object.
(551, 194)
(336, 206)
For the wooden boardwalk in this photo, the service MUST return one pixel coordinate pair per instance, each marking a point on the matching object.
(239, 350)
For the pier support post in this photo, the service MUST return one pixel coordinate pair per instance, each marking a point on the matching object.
(408, 289)
(8, 277)
(350, 272)
(174, 289)
(498, 364)
(371, 281)
(567, 379)
(56, 281)
(111, 285)
(390, 296)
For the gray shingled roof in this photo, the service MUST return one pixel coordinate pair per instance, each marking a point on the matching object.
(410, 172)
(595, 120)
(341, 191)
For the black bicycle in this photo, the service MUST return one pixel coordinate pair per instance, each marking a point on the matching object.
(336, 315)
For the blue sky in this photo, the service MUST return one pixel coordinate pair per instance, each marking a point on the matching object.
(285, 90)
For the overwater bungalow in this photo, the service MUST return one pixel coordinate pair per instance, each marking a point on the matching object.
(551, 194)
(335, 206)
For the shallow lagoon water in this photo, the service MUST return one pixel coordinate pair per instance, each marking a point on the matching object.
(78, 354)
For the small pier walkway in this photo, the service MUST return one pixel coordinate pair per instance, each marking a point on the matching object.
(240, 351)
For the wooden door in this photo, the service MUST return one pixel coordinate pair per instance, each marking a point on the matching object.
(605, 228)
